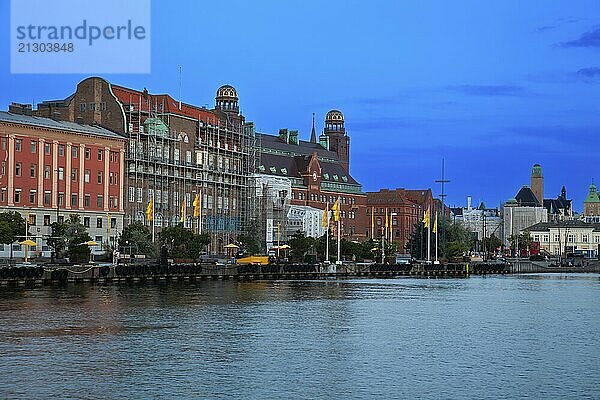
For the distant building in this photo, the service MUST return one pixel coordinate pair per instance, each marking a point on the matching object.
(482, 221)
(559, 209)
(591, 205)
(318, 171)
(404, 208)
(521, 212)
(563, 237)
(52, 169)
(305, 219)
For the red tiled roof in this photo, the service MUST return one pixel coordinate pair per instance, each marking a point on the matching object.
(162, 103)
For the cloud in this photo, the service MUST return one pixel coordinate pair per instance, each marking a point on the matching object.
(589, 73)
(489, 90)
(545, 28)
(590, 39)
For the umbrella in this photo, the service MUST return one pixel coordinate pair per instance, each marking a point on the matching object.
(285, 246)
(28, 242)
(375, 249)
(90, 243)
(232, 246)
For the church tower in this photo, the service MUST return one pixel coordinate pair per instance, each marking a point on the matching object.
(338, 140)
(537, 183)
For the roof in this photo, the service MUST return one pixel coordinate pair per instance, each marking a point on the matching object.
(302, 148)
(592, 196)
(555, 205)
(575, 223)
(293, 167)
(525, 197)
(49, 123)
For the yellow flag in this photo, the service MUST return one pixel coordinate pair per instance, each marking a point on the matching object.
(426, 218)
(372, 220)
(182, 219)
(150, 209)
(196, 205)
(325, 221)
(387, 222)
(434, 230)
(336, 210)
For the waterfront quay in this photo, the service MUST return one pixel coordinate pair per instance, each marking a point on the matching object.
(151, 272)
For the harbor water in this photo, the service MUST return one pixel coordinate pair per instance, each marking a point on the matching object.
(528, 336)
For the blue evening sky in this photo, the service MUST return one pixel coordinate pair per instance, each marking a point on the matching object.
(493, 87)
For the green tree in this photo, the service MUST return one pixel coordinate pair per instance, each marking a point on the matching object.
(68, 238)
(301, 246)
(58, 240)
(249, 244)
(136, 238)
(523, 239)
(182, 243)
(12, 227)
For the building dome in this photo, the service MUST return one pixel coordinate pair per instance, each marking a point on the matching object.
(334, 116)
(227, 92)
(536, 170)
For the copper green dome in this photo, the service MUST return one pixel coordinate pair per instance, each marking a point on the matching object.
(592, 196)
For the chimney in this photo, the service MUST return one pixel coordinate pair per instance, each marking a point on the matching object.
(294, 137)
(469, 203)
(283, 135)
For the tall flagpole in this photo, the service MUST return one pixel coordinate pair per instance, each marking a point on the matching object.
(428, 236)
(327, 235)
(436, 237)
(382, 245)
(152, 222)
(339, 247)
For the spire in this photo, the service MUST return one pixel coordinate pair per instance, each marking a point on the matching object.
(313, 135)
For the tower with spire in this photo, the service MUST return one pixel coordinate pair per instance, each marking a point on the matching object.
(313, 135)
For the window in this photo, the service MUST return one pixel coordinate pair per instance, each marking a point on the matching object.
(33, 147)
(111, 177)
(61, 173)
(103, 106)
(74, 152)
(32, 219)
(92, 106)
(32, 170)
(82, 107)
(17, 195)
(47, 149)
(18, 169)
(86, 176)
(61, 198)
(100, 155)
(74, 174)
(47, 195)
(88, 153)
(3, 143)
(99, 176)
(86, 222)
(139, 195)
(46, 220)
(99, 222)
(113, 223)
(32, 196)
(46, 172)
(18, 144)
(131, 194)
(584, 238)
(86, 200)
(99, 200)
(61, 150)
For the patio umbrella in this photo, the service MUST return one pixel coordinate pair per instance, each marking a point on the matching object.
(28, 242)
(232, 246)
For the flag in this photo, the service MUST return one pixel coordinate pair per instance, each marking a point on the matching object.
(196, 205)
(150, 209)
(325, 221)
(182, 219)
(372, 221)
(387, 222)
(426, 218)
(434, 230)
(336, 210)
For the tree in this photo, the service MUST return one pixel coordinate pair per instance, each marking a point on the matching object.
(136, 237)
(524, 240)
(249, 244)
(12, 227)
(301, 246)
(458, 240)
(57, 240)
(182, 243)
(69, 238)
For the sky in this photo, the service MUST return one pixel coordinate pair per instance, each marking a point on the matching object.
(490, 87)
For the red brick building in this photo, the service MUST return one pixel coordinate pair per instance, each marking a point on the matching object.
(405, 208)
(52, 169)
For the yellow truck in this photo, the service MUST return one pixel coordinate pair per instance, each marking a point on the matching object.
(253, 260)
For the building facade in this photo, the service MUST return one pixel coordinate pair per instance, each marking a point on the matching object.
(564, 237)
(405, 209)
(483, 222)
(591, 205)
(174, 151)
(318, 172)
(52, 169)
